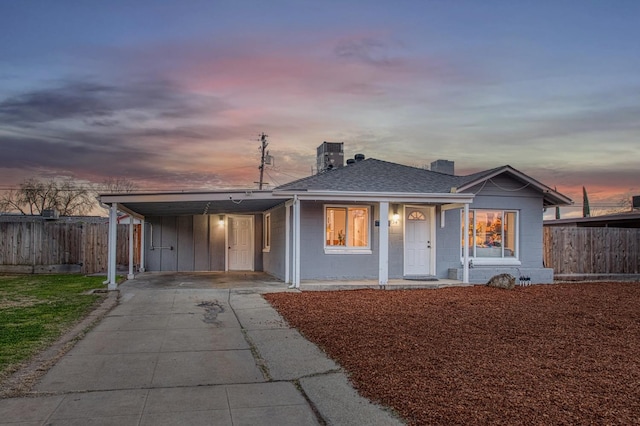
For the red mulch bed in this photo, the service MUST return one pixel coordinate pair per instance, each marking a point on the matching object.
(545, 354)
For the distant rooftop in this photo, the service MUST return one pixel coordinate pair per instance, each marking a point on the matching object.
(630, 219)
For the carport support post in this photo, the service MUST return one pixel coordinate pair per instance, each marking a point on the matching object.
(142, 243)
(383, 272)
(113, 242)
(296, 242)
(287, 242)
(131, 257)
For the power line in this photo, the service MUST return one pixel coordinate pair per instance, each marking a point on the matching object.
(272, 178)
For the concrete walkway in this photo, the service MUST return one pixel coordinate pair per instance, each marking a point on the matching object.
(174, 353)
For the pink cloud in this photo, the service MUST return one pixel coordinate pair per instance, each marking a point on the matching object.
(362, 66)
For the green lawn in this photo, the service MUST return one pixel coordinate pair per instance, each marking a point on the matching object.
(36, 309)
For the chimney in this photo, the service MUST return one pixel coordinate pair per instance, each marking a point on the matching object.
(443, 166)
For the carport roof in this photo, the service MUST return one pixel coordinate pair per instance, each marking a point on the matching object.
(194, 203)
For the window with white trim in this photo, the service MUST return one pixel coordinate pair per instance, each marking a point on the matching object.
(266, 232)
(492, 234)
(347, 227)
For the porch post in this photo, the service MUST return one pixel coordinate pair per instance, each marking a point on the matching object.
(131, 256)
(142, 243)
(383, 272)
(113, 242)
(465, 245)
(287, 243)
(296, 242)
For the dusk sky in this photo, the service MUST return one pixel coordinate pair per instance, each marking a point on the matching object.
(174, 94)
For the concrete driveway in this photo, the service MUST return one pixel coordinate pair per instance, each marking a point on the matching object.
(196, 349)
(207, 280)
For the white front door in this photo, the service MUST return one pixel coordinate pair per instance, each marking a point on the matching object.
(240, 243)
(417, 241)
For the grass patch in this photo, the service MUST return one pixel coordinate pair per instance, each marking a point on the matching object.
(37, 309)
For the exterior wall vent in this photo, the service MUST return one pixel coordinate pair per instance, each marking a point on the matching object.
(50, 214)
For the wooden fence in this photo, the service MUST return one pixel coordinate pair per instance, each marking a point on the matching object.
(573, 250)
(49, 247)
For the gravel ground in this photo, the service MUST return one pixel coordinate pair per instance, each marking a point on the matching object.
(545, 354)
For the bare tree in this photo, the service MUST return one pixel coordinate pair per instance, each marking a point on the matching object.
(623, 205)
(34, 195)
(11, 202)
(118, 184)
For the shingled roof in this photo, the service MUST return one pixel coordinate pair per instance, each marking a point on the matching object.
(373, 175)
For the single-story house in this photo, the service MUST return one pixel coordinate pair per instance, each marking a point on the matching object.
(371, 219)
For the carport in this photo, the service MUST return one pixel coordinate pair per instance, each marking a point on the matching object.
(219, 206)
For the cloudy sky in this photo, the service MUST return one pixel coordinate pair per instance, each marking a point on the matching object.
(174, 94)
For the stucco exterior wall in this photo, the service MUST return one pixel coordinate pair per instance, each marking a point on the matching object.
(316, 265)
(447, 242)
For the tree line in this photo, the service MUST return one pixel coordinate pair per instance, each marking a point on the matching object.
(67, 196)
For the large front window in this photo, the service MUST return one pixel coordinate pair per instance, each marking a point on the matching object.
(347, 226)
(492, 233)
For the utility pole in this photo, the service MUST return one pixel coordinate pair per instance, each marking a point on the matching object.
(263, 147)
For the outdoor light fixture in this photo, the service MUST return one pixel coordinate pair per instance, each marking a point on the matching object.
(396, 216)
(221, 220)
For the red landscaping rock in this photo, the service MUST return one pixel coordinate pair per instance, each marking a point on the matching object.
(545, 354)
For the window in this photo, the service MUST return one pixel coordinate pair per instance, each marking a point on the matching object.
(266, 230)
(416, 216)
(492, 234)
(347, 227)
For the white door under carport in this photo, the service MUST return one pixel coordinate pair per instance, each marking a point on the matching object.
(240, 238)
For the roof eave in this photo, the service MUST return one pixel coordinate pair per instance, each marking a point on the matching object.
(362, 196)
(187, 196)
